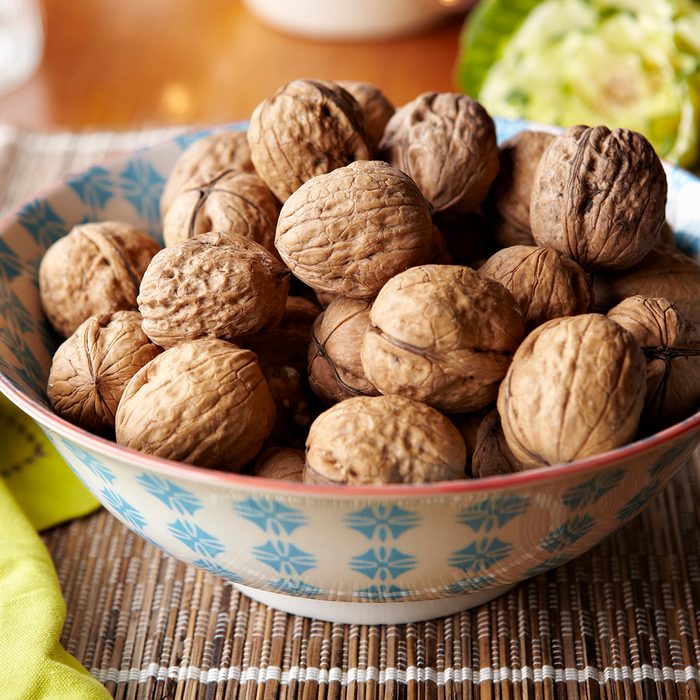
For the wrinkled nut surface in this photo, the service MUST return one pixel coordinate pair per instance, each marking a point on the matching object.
(665, 273)
(442, 334)
(376, 108)
(205, 160)
(203, 402)
(307, 128)
(234, 201)
(350, 231)
(447, 143)
(575, 389)
(95, 269)
(335, 368)
(91, 369)
(282, 463)
(383, 440)
(671, 345)
(492, 455)
(545, 283)
(217, 285)
(599, 197)
(508, 202)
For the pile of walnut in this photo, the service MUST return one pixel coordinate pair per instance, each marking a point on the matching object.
(458, 283)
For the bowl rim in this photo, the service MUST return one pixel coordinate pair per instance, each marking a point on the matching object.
(167, 467)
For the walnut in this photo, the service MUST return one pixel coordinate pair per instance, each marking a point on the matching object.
(666, 236)
(383, 440)
(442, 334)
(468, 426)
(233, 201)
(544, 282)
(575, 388)
(599, 197)
(350, 231)
(216, 285)
(204, 402)
(377, 110)
(90, 370)
(205, 160)
(307, 128)
(666, 273)
(671, 345)
(492, 455)
(447, 143)
(95, 269)
(335, 368)
(290, 394)
(280, 463)
(508, 202)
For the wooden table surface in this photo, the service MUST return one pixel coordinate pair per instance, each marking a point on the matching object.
(140, 63)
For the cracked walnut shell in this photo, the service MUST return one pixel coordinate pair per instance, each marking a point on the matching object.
(95, 269)
(91, 369)
(575, 389)
(383, 440)
(204, 402)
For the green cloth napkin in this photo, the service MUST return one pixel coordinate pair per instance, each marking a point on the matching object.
(37, 490)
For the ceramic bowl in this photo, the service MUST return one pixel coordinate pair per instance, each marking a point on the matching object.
(382, 554)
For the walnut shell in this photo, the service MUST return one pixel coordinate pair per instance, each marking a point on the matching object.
(665, 273)
(280, 463)
(307, 128)
(91, 369)
(216, 285)
(671, 345)
(233, 201)
(383, 440)
(544, 282)
(335, 368)
(599, 197)
(205, 160)
(95, 269)
(447, 143)
(575, 388)
(350, 231)
(291, 396)
(442, 334)
(508, 202)
(492, 455)
(468, 426)
(376, 108)
(204, 402)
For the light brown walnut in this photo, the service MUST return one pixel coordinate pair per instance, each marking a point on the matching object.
(204, 402)
(350, 231)
(383, 440)
(307, 128)
(376, 108)
(91, 369)
(95, 269)
(492, 455)
(575, 389)
(442, 334)
(216, 285)
(280, 463)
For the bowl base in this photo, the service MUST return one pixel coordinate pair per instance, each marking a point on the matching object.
(392, 613)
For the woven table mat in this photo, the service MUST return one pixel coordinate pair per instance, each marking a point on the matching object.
(619, 622)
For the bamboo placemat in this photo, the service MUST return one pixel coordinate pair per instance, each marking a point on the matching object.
(619, 622)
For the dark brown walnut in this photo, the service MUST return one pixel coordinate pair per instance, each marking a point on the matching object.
(492, 455)
(290, 392)
(91, 369)
(508, 202)
(544, 282)
(443, 335)
(467, 238)
(383, 440)
(599, 197)
(95, 269)
(204, 402)
(335, 368)
(350, 231)
(280, 463)
(205, 160)
(666, 273)
(376, 108)
(666, 236)
(671, 345)
(233, 201)
(216, 285)
(307, 128)
(468, 426)
(575, 389)
(447, 143)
